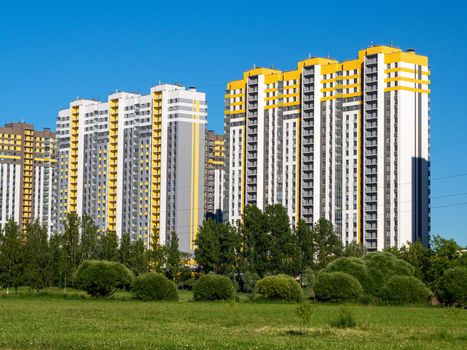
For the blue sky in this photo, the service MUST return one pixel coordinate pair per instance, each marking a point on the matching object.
(53, 51)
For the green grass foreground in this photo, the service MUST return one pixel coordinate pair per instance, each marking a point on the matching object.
(77, 322)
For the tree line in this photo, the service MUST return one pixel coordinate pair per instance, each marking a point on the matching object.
(262, 244)
(265, 244)
(33, 259)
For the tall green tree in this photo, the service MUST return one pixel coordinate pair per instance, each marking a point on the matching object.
(255, 241)
(446, 253)
(328, 246)
(71, 246)
(207, 247)
(138, 260)
(124, 250)
(229, 243)
(174, 257)
(157, 255)
(108, 246)
(305, 243)
(217, 247)
(37, 269)
(133, 255)
(88, 242)
(57, 260)
(11, 256)
(283, 255)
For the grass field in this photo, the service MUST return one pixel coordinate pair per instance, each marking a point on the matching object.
(45, 322)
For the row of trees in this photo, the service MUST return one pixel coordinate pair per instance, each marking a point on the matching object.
(35, 260)
(263, 244)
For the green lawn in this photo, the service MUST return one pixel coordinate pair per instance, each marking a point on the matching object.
(45, 322)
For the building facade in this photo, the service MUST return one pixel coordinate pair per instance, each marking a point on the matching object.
(27, 159)
(346, 141)
(214, 176)
(135, 163)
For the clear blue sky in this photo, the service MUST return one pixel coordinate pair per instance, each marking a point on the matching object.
(54, 51)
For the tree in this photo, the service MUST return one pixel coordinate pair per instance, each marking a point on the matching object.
(138, 259)
(207, 247)
(37, 272)
(71, 247)
(328, 245)
(283, 247)
(157, 256)
(255, 241)
(217, 246)
(174, 258)
(418, 256)
(88, 242)
(11, 256)
(133, 255)
(229, 244)
(124, 249)
(446, 254)
(305, 244)
(354, 249)
(57, 260)
(109, 246)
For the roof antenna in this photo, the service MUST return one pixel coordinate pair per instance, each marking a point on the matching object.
(254, 66)
(309, 55)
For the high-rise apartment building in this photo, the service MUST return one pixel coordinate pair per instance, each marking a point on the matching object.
(135, 163)
(214, 176)
(347, 141)
(27, 158)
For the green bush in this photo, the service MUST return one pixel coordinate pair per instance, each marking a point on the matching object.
(154, 286)
(249, 280)
(356, 268)
(280, 287)
(337, 287)
(100, 278)
(451, 288)
(213, 287)
(404, 289)
(346, 318)
(381, 266)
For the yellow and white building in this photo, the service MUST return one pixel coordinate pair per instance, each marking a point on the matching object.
(347, 141)
(214, 176)
(27, 159)
(135, 163)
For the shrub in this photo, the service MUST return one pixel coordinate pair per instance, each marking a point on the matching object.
(154, 286)
(280, 287)
(356, 268)
(382, 266)
(337, 287)
(345, 319)
(249, 280)
(451, 288)
(102, 278)
(213, 287)
(304, 311)
(404, 289)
